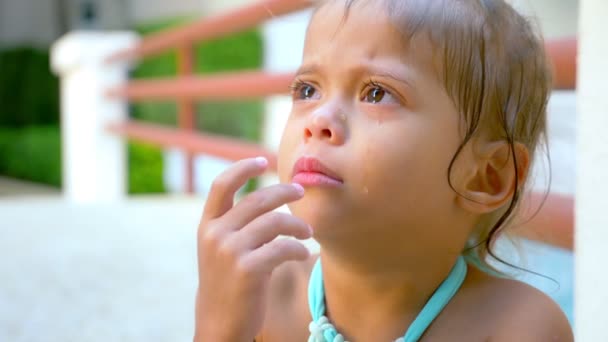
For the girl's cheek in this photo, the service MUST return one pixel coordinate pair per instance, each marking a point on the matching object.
(380, 114)
(292, 134)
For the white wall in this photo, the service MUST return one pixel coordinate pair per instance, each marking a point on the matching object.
(112, 14)
(214, 7)
(30, 22)
(557, 18)
(38, 22)
(146, 10)
(150, 10)
(592, 168)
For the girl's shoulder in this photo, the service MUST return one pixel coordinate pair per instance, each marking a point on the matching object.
(500, 309)
(529, 314)
(287, 314)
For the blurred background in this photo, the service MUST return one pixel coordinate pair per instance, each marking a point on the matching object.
(82, 265)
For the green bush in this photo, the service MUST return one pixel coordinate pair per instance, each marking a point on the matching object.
(32, 153)
(29, 92)
(146, 169)
(30, 145)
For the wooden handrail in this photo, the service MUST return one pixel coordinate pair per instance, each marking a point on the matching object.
(186, 112)
(214, 27)
(562, 54)
(554, 223)
(217, 87)
(214, 145)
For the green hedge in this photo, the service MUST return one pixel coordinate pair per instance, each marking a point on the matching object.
(145, 169)
(31, 153)
(29, 92)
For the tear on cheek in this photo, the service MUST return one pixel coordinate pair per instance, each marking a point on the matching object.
(367, 164)
(378, 115)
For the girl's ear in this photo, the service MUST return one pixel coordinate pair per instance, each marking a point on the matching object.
(490, 184)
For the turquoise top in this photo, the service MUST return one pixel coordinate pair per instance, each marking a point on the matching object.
(321, 330)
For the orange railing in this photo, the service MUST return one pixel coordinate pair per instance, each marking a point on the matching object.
(553, 224)
(187, 88)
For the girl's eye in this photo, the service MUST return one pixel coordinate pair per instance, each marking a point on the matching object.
(375, 95)
(304, 91)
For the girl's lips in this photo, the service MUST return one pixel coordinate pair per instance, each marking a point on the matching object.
(314, 179)
(309, 171)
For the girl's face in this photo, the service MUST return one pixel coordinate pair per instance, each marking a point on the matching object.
(370, 108)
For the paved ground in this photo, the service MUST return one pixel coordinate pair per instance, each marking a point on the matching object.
(14, 187)
(121, 272)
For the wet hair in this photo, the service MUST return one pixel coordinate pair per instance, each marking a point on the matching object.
(493, 66)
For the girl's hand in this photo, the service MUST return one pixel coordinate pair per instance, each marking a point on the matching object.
(237, 252)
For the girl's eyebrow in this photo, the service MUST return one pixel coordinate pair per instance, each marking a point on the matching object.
(400, 77)
(372, 70)
(308, 69)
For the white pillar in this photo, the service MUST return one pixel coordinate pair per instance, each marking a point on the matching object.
(591, 298)
(283, 47)
(94, 162)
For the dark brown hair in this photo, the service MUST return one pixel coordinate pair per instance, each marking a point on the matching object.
(492, 63)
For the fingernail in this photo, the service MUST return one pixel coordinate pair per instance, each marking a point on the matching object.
(299, 188)
(261, 161)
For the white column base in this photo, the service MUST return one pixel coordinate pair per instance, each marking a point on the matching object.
(94, 162)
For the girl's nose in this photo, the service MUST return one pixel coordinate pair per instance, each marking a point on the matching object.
(326, 124)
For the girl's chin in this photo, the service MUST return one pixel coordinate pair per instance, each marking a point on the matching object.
(318, 216)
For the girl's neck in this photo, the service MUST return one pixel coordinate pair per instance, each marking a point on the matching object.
(375, 296)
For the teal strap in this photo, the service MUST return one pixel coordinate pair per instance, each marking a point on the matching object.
(321, 330)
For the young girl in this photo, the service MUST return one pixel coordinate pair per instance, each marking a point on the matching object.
(413, 127)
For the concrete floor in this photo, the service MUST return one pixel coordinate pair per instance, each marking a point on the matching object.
(17, 188)
(119, 272)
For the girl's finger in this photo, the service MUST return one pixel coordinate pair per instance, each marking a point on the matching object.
(221, 195)
(268, 227)
(261, 202)
(268, 257)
